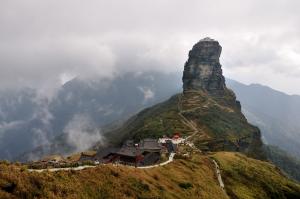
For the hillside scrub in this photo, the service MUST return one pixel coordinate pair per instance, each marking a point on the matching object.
(250, 178)
(192, 178)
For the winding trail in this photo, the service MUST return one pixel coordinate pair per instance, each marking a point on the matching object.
(62, 169)
(196, 130)
(221, 183)
(184, 119)
(188, 123)
(171, 159)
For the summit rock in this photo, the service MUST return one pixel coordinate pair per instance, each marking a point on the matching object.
(203, 70)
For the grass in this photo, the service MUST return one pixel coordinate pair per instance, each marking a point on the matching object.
(226, 127)
(224, 124)
(161, 119)
(185, 185)
(192, 178)
(254, 179)
(289, 164)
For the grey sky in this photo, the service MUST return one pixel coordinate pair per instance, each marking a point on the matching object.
(44, 43)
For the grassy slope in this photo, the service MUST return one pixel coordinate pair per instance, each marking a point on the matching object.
(244, 178)
(221, 126)
(161, 119)
(289, 164)
(193, 178)
(254, 179)
(222, 119)
(219, 119)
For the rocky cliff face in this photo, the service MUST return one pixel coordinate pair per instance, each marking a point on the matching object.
(203, 70)
(206, 111)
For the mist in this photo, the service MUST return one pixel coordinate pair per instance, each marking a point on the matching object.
(82, 133)
(45, 44)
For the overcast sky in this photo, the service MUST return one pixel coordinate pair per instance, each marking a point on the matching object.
(46, 42)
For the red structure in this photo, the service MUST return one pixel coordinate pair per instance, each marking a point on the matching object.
(176, 135)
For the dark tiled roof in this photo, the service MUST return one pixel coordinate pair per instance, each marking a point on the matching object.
(129, 151)
(128, 143)
(106, 151)
(150, 144)
(128, 148)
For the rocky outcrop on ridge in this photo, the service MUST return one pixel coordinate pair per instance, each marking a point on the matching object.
(203, 70)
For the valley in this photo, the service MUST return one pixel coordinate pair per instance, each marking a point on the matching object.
(196, 144)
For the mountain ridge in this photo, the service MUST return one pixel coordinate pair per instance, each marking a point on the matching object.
(217, 129)
(206, 102)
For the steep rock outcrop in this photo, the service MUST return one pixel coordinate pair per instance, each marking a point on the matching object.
(218, 123)
(203, 70)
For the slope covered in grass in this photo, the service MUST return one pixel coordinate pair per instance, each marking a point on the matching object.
(289, 164)
(154, 122)
(249, 178)
(220, 117)
(192, 178)
(217, 123)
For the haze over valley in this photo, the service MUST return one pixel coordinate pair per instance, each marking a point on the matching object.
(150, 99)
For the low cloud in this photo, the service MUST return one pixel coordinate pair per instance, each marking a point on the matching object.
(5, 126)
(147, 92)
(82, 133)
(44, 46)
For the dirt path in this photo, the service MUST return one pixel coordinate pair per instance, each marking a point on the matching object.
(221, 183)
(171, 158)
(196, 130)
(189, 123)
(61, 169)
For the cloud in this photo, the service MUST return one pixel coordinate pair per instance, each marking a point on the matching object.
(45, 43)
(40, 137)
(82, 133)
(4, 126)
(147, 92)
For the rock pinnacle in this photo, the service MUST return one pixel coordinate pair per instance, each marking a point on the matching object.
(203, 70)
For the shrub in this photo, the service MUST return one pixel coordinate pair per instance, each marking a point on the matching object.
(139, 185)
(114, 173)
(155, 177)
(185, 185)
(8, 187)
(5, 162)
(179, 156)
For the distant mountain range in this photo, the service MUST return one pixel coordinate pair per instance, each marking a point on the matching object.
(77, 112)
(221, 154)
(28, 120)
(275, 113)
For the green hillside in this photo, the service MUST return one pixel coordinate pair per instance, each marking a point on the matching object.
(250, 178)
(214, 122)
(193, 178)
(287, 163)
(220, 144)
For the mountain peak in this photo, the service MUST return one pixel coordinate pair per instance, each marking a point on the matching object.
(207, 39)
(203, 70)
